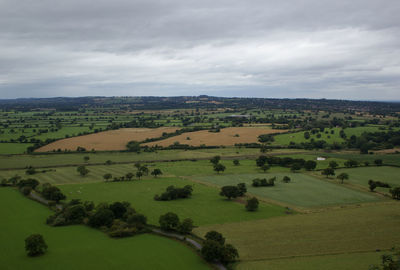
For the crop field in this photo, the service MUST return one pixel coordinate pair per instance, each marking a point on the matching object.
(107, 140)
(227, 136)
(302, 191)
(361, 176)
(77, 247)
(341, 231)
(204, 207)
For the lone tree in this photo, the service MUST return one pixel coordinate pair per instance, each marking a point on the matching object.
(372, 185)
(395, 193)
(169, 221)
(333, 164)
(86, 158)
(215, 160)
(139, 174)
(107, 176)
(310, 165)
(236, 162)
(327, 172)
(35, 245)
(286, 179)
(156, 172)
(219, 167)
(342, 177)
(133, 146)
(82, 170)
(252, 204)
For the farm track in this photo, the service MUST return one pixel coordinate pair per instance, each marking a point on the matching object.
(148, 161)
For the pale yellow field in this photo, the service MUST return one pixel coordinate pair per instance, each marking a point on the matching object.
(107, 140)
(226, 137)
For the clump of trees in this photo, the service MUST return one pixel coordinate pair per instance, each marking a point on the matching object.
(374, 184)
(216, 250)
(174, 193)
(118, 219)
(52, 193)
(133, 146)
(219, 167)
(233, 191)
(35, 245)
(170, 222)
(258, 182)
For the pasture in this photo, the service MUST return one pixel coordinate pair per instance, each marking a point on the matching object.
(302, 191)
(341, 231)
(204, 207)
(78, 247)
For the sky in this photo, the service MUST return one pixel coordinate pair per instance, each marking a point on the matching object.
(250, 48)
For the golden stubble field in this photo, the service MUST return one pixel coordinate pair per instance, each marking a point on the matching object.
(226, 137)
(107, 140)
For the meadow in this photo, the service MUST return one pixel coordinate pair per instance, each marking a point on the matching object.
(78, 247)
(204, 207)
(302, 191)
(341, 231)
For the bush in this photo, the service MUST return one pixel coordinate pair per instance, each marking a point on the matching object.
(252, 204)
(35, 245)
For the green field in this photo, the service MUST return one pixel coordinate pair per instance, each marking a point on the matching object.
(13, 148)
(360, 176)
(341, 231)
(80, 247)
(303, 190)
(204, 207)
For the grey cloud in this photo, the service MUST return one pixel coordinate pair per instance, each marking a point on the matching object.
(302, 48)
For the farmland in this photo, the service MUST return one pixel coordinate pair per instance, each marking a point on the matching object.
(302, 191)
(107, 140)
(86, 246)
(226, 137)
(79, 146)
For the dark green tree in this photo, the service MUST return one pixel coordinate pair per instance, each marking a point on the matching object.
(35, 245)
(219, 167)
(252, 204)
(230, 192)
(169, 221)
(156, 172)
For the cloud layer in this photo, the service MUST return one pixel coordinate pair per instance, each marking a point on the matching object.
(300, 48)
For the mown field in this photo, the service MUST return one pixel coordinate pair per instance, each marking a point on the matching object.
(204, 207)
(302, 191)
(341, 231)
(80, 247)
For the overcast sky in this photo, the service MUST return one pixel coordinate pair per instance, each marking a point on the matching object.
(346, 49)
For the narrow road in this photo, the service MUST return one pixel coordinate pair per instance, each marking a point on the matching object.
(196, 244)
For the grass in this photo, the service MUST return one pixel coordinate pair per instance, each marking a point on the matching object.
(346, 230)
(78, 247)
(13, 148)
(303, 190)
(328, 262)
(361, 175)
(204, 207)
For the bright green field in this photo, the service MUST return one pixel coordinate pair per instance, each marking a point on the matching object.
(328, 262)
(204, 207)
(80, 247)
(13, 148)
(360, 176)
(303, 190)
